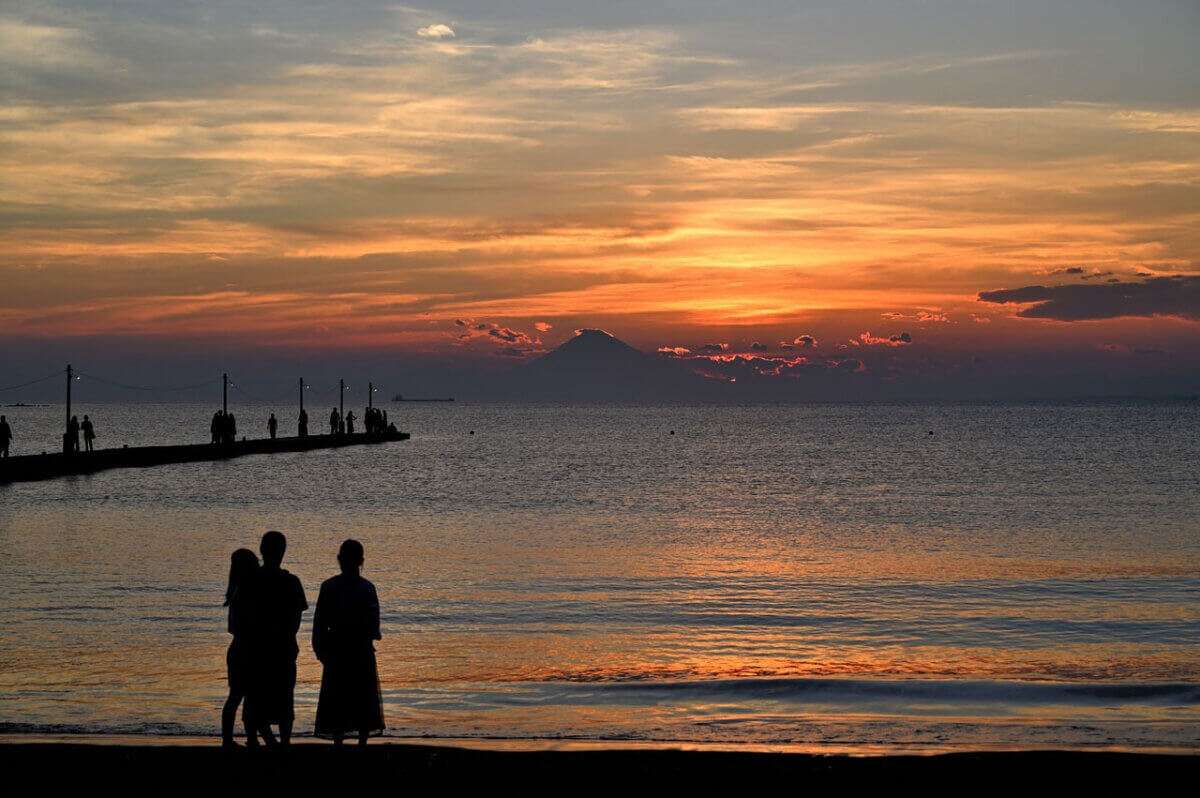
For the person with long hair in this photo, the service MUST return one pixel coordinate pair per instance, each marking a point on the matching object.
(345, 628)
(243, 566)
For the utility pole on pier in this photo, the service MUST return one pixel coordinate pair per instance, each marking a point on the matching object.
(342, 400)
(225, 393)
(370, 395)
(301, 394)
(67, 425)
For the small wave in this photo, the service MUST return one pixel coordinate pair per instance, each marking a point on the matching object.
(944, 691)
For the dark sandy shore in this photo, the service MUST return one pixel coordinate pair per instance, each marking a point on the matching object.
(56, 768)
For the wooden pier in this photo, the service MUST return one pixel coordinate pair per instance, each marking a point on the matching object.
(33, 467)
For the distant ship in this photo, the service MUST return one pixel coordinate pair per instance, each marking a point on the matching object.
(402, 398)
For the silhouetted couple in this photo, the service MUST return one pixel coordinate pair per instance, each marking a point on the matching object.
(375, 421)
(71, 436)
(265, 606)
(223, 427)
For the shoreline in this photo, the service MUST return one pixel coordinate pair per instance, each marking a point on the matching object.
(163, 766)
(578, 744)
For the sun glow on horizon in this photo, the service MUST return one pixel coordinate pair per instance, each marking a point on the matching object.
(656, 176)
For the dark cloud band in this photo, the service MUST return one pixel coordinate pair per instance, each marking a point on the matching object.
(1158, 296)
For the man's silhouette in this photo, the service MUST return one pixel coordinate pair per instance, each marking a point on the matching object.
(350, 418)
(89, 432)
(274, 605)
(217, 427)
(73, 433)
(6, 436)
(333, 421)
(272, 424)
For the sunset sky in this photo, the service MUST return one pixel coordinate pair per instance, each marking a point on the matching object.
(460, 186)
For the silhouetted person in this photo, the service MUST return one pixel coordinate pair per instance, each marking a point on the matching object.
(89, 432)
(218, 426)
(275, 602)
(271, 425)
(73, 433)
(243, 568)
(6, 436)
(302, 424)
(350, 422)
(333, 421)
(345, 628)
(230, 427)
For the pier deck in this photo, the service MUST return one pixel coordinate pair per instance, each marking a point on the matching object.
(33, 467)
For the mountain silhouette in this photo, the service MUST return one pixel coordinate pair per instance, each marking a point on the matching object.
(589, 350)
(596, 366)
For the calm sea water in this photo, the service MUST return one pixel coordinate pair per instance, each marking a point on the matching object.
(1027, 575)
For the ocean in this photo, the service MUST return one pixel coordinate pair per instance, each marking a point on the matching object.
(827, 577)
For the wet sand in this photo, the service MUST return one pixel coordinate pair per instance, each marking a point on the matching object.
(165, 767)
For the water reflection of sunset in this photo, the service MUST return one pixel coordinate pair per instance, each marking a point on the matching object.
(703, 603)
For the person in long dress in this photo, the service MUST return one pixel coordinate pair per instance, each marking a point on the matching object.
(345, 628)
(243, 567)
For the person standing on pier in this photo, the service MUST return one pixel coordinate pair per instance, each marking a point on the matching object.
(89, 432)
(6, 436)
(333, 421)
(271, 425)
(217, 428)
(302, 426)
(350, 422)
(73, 433)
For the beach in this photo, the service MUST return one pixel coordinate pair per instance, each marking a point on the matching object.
(192, 766)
